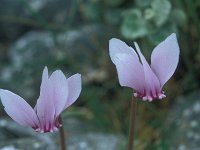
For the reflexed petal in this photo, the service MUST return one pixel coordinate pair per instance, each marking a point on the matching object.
(45, 104)
(74, 85)
(18, 109)
(130, 72)
(117, 46)
(60, 90)
(152, 82)
(164, 58)
(45, 75)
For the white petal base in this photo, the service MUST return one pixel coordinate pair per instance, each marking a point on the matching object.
(50, 128)
(149, 98)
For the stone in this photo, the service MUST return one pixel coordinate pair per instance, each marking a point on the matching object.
(80, 135)
(17, 137)
(18, 17)
(36, 49)
(183, 123)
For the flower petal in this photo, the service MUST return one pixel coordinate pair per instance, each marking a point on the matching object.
(130, 71)
(152, 82)
(74, 85)
(18, 109)
(45, 104)
(164, 58)
(60, 90)
(117, 46)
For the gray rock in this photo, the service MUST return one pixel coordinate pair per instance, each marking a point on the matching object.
(10, 10)
(35, 50)
(23, 138)
(24, 144)
(18, 17)
(81, 44)
(80, 135)
(97, 141)
(183, 123)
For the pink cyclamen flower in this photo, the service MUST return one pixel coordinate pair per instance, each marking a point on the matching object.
(135, 72)
(56, 94)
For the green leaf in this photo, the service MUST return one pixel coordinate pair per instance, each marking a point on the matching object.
(149, 14)
(161, 33)
(92, 11)
(113, 17)
(113, 3)
(134, 25)
(179, 17)
(143, 3)
(161, 10)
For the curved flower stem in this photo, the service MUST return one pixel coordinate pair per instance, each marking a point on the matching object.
(132, 123)
(62, 135)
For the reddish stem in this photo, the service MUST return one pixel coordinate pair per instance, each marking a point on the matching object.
(132, 123)
(62, 135)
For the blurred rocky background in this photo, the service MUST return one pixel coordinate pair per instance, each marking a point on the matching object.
(73, 35)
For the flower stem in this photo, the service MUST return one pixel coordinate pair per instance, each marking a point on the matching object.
(62, 135)
(132, 124)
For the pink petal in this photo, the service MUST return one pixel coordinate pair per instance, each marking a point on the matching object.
(130, 71)
(152, 82)
(74, 85)
(117, 46)
(60, 90)
(18, 109)
(164, 58)
(45, 104)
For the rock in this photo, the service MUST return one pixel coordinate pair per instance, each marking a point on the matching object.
(10, 10)
(18, 17)
(80, 135)
(31, 47)
(85, 136)
(35, 50)
(20, 138)
(183, 123)
(24, 144)
(97, 141)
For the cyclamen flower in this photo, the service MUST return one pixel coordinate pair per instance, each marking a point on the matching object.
(56, 94)
(135, 72)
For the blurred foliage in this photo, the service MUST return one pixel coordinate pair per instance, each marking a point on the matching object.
(106, 103)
